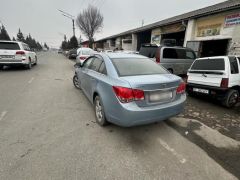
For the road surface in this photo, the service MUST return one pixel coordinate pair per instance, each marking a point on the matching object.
(48, 131)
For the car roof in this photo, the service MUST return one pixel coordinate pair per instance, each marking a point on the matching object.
(214, 57)
(11, 41)
(123, 55)
(84, 48)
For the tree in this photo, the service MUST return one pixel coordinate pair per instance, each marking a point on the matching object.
(73, 42)
(4, 34)
(90, 21)
(20, 36)
(13, 39)
(46, 46)
(65, 44)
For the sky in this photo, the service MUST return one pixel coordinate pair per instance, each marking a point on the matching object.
(45, 23)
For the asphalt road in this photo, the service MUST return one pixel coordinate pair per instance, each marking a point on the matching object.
(48, 131)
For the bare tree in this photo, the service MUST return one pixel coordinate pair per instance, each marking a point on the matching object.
(90, 21)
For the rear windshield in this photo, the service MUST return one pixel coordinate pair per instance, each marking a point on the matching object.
(137, 66)
(148, 51)
(209, 64)
(9, 46)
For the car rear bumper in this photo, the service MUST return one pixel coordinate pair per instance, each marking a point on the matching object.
(214, 92)
(131, 115)
(13, 62)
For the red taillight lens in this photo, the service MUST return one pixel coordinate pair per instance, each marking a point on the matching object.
(20, 53)
(157, 55)
(126, 95)
(82, 58)
(224, 83)
(181, 88)
(138, 94)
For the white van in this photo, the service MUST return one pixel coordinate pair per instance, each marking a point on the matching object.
(217, 77)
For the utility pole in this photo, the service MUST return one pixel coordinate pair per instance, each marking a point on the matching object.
(70, 17)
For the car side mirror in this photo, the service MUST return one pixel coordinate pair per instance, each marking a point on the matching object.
(78, 65)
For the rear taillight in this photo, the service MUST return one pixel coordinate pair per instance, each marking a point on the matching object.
(126, 95)
(224, 83)
(20, 53)
(158, 55)
(82, 58)
(181, 88)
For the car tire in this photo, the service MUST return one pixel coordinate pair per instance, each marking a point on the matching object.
(99, 112)
(76, 82)
(36, 61)
(231, 98)
(1, 67)
(29, 66)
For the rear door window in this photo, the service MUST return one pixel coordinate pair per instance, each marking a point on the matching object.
(88, 62)
(9, 46)
(103, 69)
(209, 64)
(234, 65)
(95, 65)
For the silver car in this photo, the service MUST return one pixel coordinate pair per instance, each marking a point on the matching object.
(129, 90)
(176, 60)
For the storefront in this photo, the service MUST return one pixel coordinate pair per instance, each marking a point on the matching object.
(175, 31)
(216, 35)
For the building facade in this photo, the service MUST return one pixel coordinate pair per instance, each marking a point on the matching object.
(210, 31)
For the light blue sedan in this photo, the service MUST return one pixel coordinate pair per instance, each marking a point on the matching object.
(129, 90)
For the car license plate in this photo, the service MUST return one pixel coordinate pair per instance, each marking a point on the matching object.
(204, 91)
(160, 96)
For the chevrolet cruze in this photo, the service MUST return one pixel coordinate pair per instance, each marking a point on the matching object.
(129, 90)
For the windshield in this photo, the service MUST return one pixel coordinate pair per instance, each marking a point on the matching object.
(9, 46)
(208, 64)
(137, 66)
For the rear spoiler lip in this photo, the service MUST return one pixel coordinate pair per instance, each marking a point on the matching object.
(206, 72)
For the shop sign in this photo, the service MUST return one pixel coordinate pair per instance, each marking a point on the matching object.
(233, 19)
(209, 30)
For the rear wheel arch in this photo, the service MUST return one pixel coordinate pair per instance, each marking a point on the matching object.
(95, 94)
(170, 70)
(236, 88)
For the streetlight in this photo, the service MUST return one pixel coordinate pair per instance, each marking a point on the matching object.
(70, 17)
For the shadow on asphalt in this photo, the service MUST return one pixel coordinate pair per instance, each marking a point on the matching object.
(229, 159)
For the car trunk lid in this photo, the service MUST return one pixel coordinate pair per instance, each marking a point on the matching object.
(157, 88)
(208, 72)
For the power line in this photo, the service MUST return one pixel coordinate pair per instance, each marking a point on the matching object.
(70, 17)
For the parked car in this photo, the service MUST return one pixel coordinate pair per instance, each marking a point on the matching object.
(176, 60)
(13, 53)
(129, 89)
(217, 77)
(60, 51)
(72, 54)
(83, 54)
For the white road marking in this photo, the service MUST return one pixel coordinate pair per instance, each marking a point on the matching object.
(167, 147)
(3, 114)
(31, 80)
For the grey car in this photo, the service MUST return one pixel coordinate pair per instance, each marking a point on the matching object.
(129, 89)
(176, 60)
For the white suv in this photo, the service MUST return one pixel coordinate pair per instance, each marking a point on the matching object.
(217, 77)
(13, 53)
